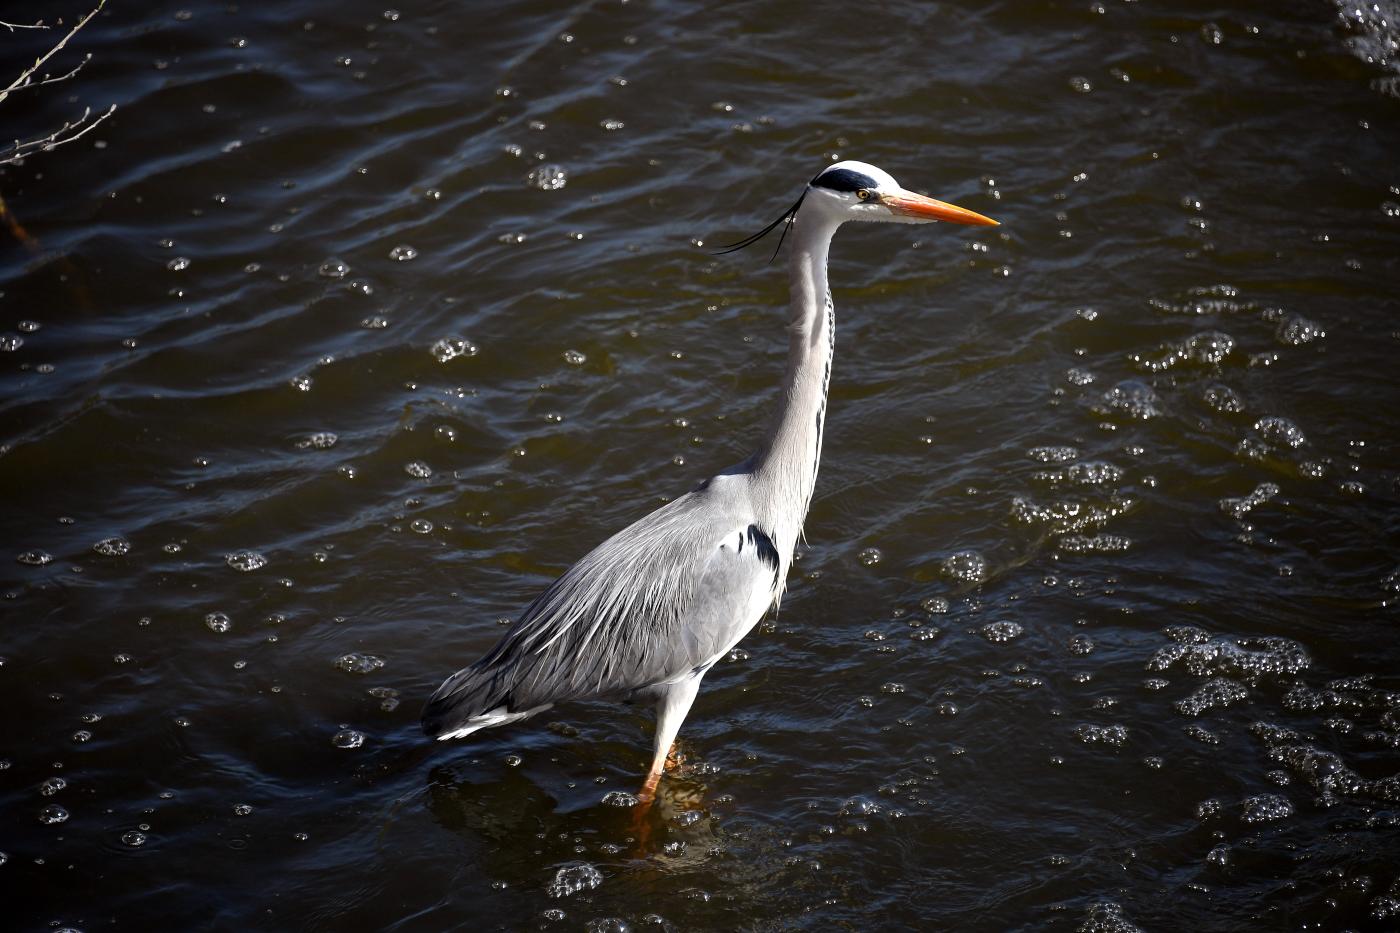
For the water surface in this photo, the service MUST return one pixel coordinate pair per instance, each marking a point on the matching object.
(354, 327)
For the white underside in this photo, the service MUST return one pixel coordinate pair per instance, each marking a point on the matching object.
(496, 717)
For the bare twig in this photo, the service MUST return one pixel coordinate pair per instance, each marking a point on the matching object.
(49, 79)
(57, 138)
(26, 77)
(71, 130)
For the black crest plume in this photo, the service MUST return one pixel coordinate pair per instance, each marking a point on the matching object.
(784, 218)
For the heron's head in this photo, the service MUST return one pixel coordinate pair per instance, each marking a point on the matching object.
(860, 191)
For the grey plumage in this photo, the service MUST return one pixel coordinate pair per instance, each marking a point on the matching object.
(646, 613)
(659, 601)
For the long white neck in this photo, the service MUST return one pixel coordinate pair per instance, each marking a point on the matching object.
(784, 469)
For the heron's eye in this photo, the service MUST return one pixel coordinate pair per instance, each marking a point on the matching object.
(863, 194)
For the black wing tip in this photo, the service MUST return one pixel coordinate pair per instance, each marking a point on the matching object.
(437, 718)
(451, 706)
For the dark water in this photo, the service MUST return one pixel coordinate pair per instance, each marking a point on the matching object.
(1097, 627)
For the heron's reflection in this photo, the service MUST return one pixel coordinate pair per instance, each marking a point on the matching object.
(524, 820)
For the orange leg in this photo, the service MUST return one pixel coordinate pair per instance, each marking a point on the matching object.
(670, 712)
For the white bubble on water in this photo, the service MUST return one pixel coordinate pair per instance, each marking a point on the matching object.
(321, 440)
(348, 738)
(1295, 330)
(1056, 454)
(1210, 347)
(1080, 644)
(1265, 808)
(1094, 544)
(1250, 659)
(547, 177)
(53, 814)
(115, 546)
(1280, 431)
(1240, 506)
(1223, 399)
(245, 561)
(607, 925)
(858, 807)
(451, 347)
(1137, 400)
(1089, 473)
(1106, 917)
(356, 662)
(999, 633)
(1113, 736)
(1216, 693)
(573, 878)
(967, 566)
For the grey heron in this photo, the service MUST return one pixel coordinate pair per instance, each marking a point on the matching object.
(644, 615)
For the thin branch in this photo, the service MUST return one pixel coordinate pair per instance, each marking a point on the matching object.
(55, 139)
(13, 26)
(26, 76)
(49, 79)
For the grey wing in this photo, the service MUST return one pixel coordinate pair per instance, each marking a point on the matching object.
(663, 598)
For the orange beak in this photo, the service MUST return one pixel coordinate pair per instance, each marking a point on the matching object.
(909, 204)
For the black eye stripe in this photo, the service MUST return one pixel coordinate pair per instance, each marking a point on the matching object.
(843, 179)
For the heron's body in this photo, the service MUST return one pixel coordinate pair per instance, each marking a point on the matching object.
(646, 613)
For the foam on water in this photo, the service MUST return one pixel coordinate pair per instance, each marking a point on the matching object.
(572, 878)
(1252, 659)
(1130, 398)
(1217, 693)
(359, 663)
(1106, 917)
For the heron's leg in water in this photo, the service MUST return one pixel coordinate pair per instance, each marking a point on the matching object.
(671, 710)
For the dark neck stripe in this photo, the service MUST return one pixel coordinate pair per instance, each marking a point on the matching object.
(843, 179)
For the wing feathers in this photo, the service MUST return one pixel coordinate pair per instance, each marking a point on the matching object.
(660, 598)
